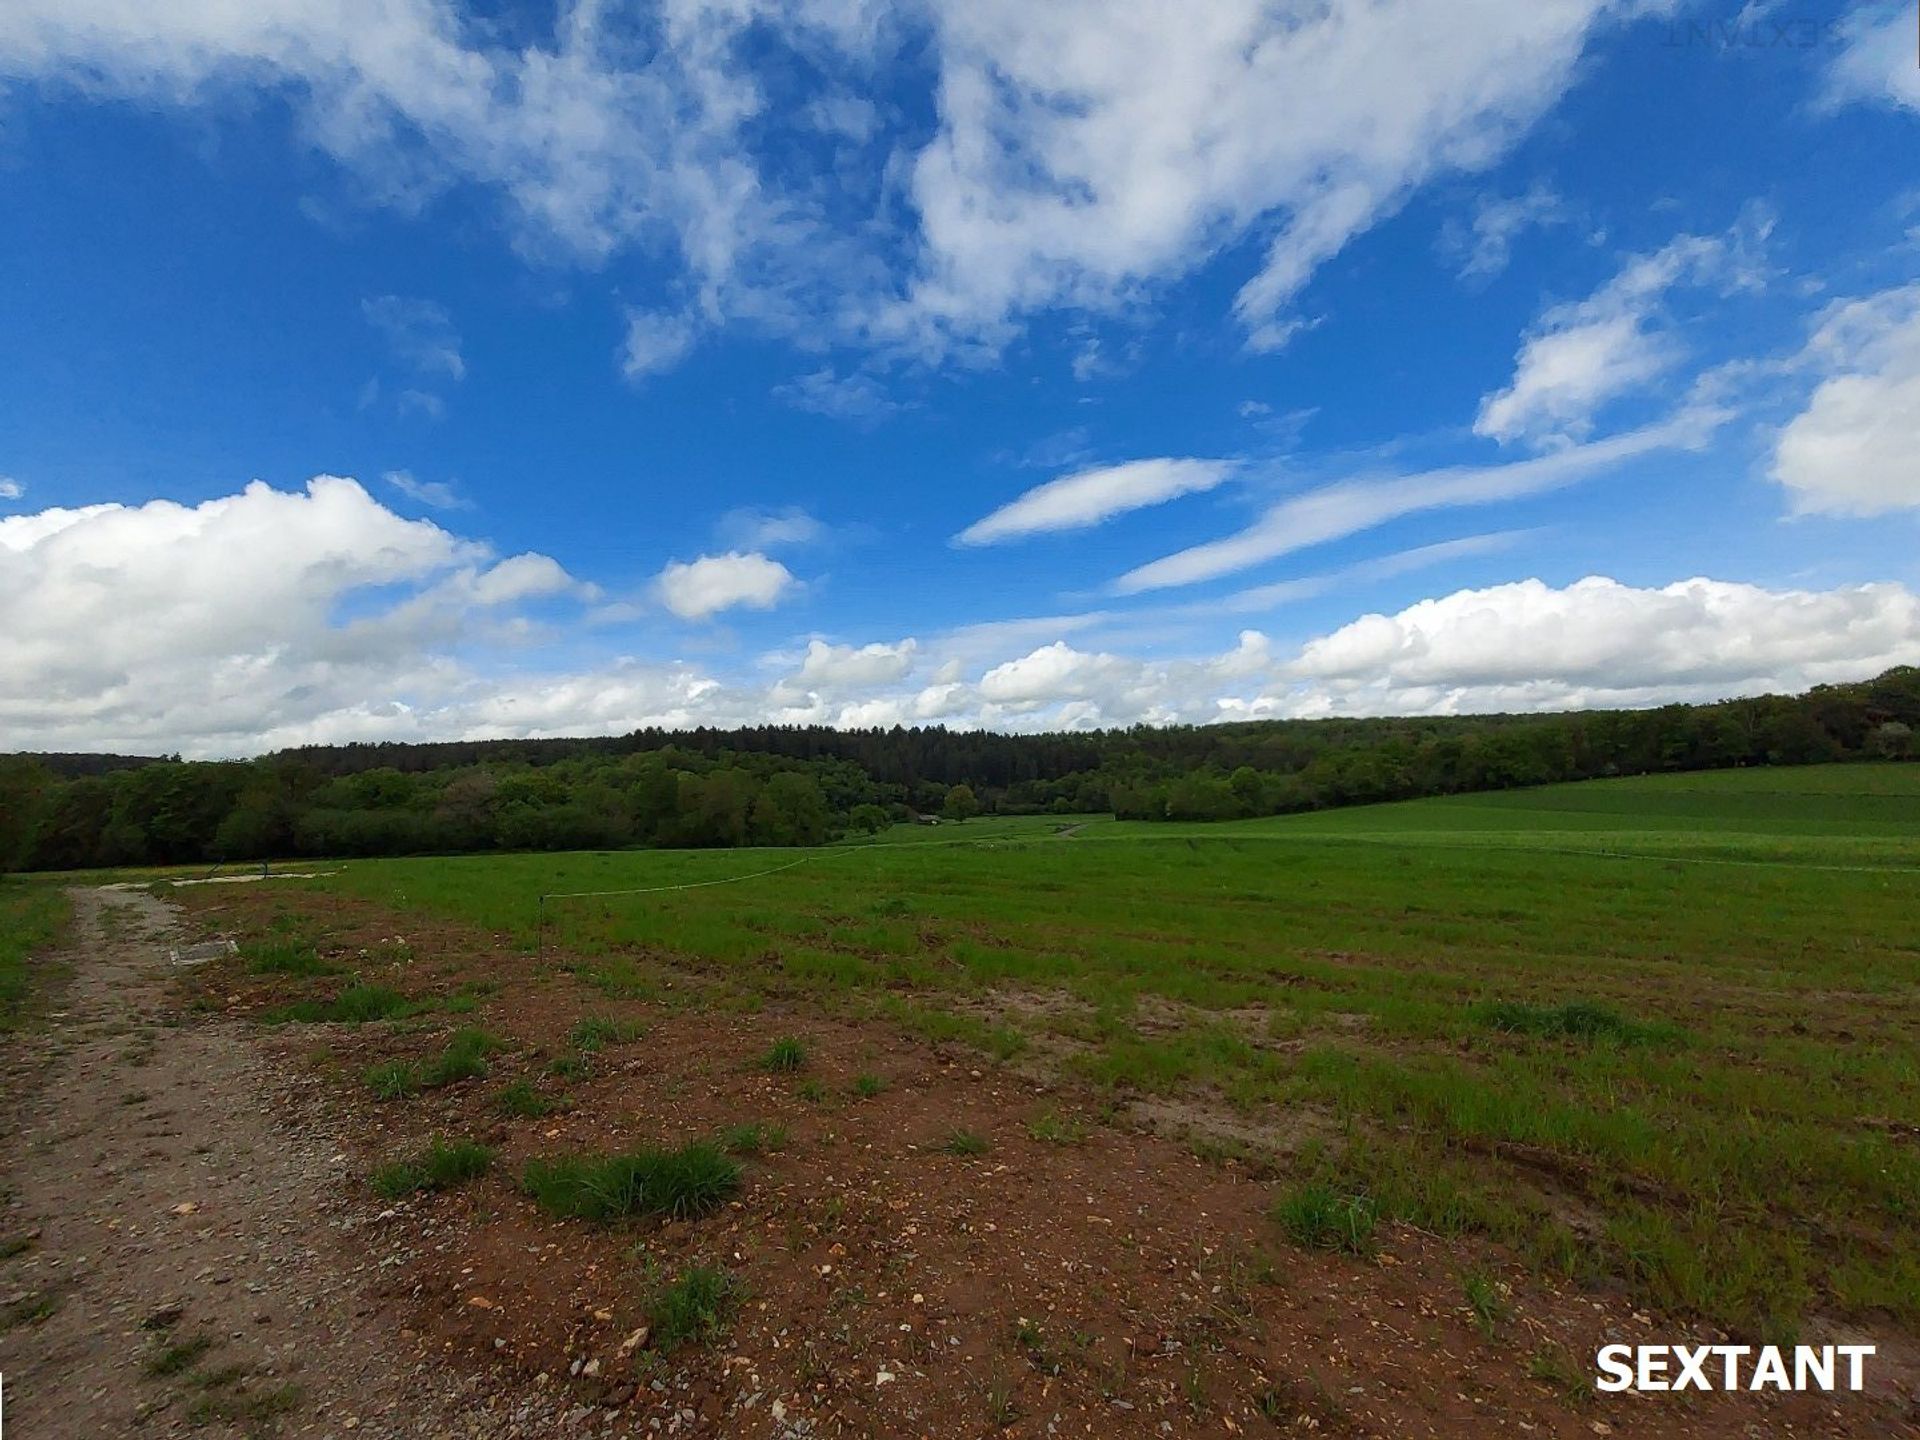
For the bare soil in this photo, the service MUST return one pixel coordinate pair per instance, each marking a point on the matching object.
(1115, 1284)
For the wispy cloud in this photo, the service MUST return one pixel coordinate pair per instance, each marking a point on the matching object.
(437, 494)
(419, 332)
(1335, 511)
(1088, 497)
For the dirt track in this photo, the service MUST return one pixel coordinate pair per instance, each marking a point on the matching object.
(177, 1188)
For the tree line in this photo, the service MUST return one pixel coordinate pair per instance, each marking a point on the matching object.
(803, 785)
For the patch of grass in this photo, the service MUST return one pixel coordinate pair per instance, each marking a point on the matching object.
(690, 1181)
(356, 1005)
(17, 1245)
(696, 1307)
(1555, 1368)
(785, 1055)
(867, 1085)
(1575, 1020)
(465, 1058)
(753, 1138)
(177, 1356)
(1485, 1300)
(393, 1079)
(252, 1410)
(570, 1067)
(522, 1099)
(32, 919)
(282, 956)
(812, 1091)
(1055, 1129)
(961, 1141)
(595, 1032)
(441, 1166)
(1319, 1217)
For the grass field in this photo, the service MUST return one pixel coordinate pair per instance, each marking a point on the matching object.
(32, 918)
(1657, 1032)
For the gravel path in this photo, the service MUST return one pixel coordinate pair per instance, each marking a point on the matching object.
(173, 1201)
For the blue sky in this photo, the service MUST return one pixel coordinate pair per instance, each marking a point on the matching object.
(848, 363)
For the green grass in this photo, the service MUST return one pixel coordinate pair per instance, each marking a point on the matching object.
(1652, 1032)
(284, 956)
(177, 1356)
(465, 1058)
(960, 1141)
(356, 1005)
(684, 1183)
(1318, 1216)
(393, 1079)
(867, 1085)
(754, 1138)
(785, 1055)
(33, 918)
(595, 1032)
(523, 1100)
(695, 1307)
(443, 1165)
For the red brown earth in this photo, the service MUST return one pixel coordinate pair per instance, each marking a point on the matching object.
(1119, 1285)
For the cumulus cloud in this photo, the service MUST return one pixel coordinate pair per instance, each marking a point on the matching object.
(1582, 355)
(695, 589)
(1078, 151)
(1852, 450)
(10, 488)
(1348, 507)
(1530, 646)
(1088, 497)
(271, 618)
(206, 627)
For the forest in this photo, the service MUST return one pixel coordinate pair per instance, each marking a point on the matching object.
(807, 785)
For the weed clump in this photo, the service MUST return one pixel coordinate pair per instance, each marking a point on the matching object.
(785, 1055)
(867, 1085)
(393, 1080)
(1321, 1218)
(465, 1058)
(960, 1141)
(521, 1099)
(752, 1139)
(357, 1005)
(596, 1032)
(682, 1184)
(443, 1165)
(697, 1306)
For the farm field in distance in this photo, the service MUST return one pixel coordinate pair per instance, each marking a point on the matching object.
(1526, 1064)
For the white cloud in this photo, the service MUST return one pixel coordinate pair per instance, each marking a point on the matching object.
(1483, 250)
(656, 342)
(436, 494)
(1597, 642)
(270, 618)
(828, 672)
(1088, 497)
(1085, 148)
(1582, 355)
(1348, 507)
(1853, 449)
(1080, 150)
(10, 488)
(420, 332)
(1876, 62)
(751, 529)
(696, 589)
(206, 627)
(857, 397)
